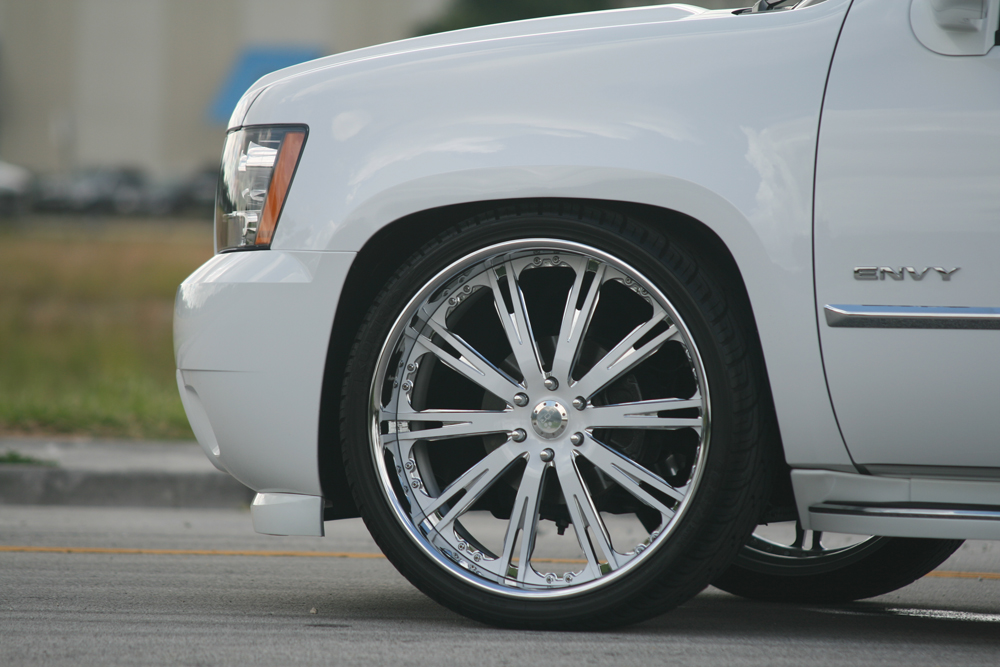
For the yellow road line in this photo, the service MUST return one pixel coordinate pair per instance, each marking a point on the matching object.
(186, 552)
(948, 574)
(942, 574)
(220, 552)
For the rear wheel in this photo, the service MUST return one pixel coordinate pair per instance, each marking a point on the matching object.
(552, 420)
(784, 563)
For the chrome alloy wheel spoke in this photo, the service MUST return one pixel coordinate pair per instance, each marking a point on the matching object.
(644, 414)
(405, 425)
(473, 483)
(528, 441)
(815, 541)
(576, 320)
(630, 475)
(584, 515)
(516, 324)
(524, 522)
(471, 364)
(625, 356)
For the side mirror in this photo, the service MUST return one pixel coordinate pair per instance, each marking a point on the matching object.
(956, 27)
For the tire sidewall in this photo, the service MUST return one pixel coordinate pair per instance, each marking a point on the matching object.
(703, 541)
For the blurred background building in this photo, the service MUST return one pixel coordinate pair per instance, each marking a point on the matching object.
(112, 118)
(149, 84)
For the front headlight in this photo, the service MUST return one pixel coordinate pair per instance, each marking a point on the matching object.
(257, 168)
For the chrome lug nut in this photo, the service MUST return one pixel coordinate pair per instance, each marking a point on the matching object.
(409, 465)
(520, 400)
(518, 435)
(579, 402)
(415, 484)
(407, 386)
(576, 439)
(551, 383)
(547, 455)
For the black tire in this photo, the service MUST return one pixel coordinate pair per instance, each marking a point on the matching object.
(872, 566)
(718, 484)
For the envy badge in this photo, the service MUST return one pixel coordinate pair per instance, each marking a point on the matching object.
(880, 272)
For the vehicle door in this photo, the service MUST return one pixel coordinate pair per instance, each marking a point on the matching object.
(907, 236)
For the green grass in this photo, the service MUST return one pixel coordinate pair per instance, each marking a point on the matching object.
(85, 325)
(11, 457)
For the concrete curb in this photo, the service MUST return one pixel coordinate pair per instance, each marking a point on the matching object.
(39, 485)
(123, 473)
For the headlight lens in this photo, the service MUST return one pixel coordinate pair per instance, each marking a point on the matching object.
(257, 168)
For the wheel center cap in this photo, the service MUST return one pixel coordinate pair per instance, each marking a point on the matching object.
(549, 419)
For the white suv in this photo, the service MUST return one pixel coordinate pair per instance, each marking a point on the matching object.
(569, 309)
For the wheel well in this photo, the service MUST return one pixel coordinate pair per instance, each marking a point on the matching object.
(389, 248)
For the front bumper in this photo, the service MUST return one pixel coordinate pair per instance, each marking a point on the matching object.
(251, 334)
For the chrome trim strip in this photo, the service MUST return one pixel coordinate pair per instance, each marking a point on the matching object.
(910, 511)
(911, 317)
(931, 472)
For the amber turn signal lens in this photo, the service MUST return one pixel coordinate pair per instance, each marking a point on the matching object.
(288, 159)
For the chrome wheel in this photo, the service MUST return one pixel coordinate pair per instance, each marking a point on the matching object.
(532, 391)
(784, 563)
(787, 549)
(555, 417)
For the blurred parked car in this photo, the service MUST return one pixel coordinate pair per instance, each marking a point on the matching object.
(201, 188)
(119, 190)
(193, 195)
(15, 189)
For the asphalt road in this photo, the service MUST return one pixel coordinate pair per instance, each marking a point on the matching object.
(82, 606)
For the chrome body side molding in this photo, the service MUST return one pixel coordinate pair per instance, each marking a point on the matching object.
(945, 522)
(968, 473)
(911, 511)
(911, 317)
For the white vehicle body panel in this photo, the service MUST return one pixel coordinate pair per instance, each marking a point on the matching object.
(816, 487)
(251, 331)
(687, 117)
(287, 514)
(709, 114)
(502, 30)
(909, 175)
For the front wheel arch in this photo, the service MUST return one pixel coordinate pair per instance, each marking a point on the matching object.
(379, 258)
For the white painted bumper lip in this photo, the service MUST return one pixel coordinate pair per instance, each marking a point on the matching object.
(287, 514)
(251, 335)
